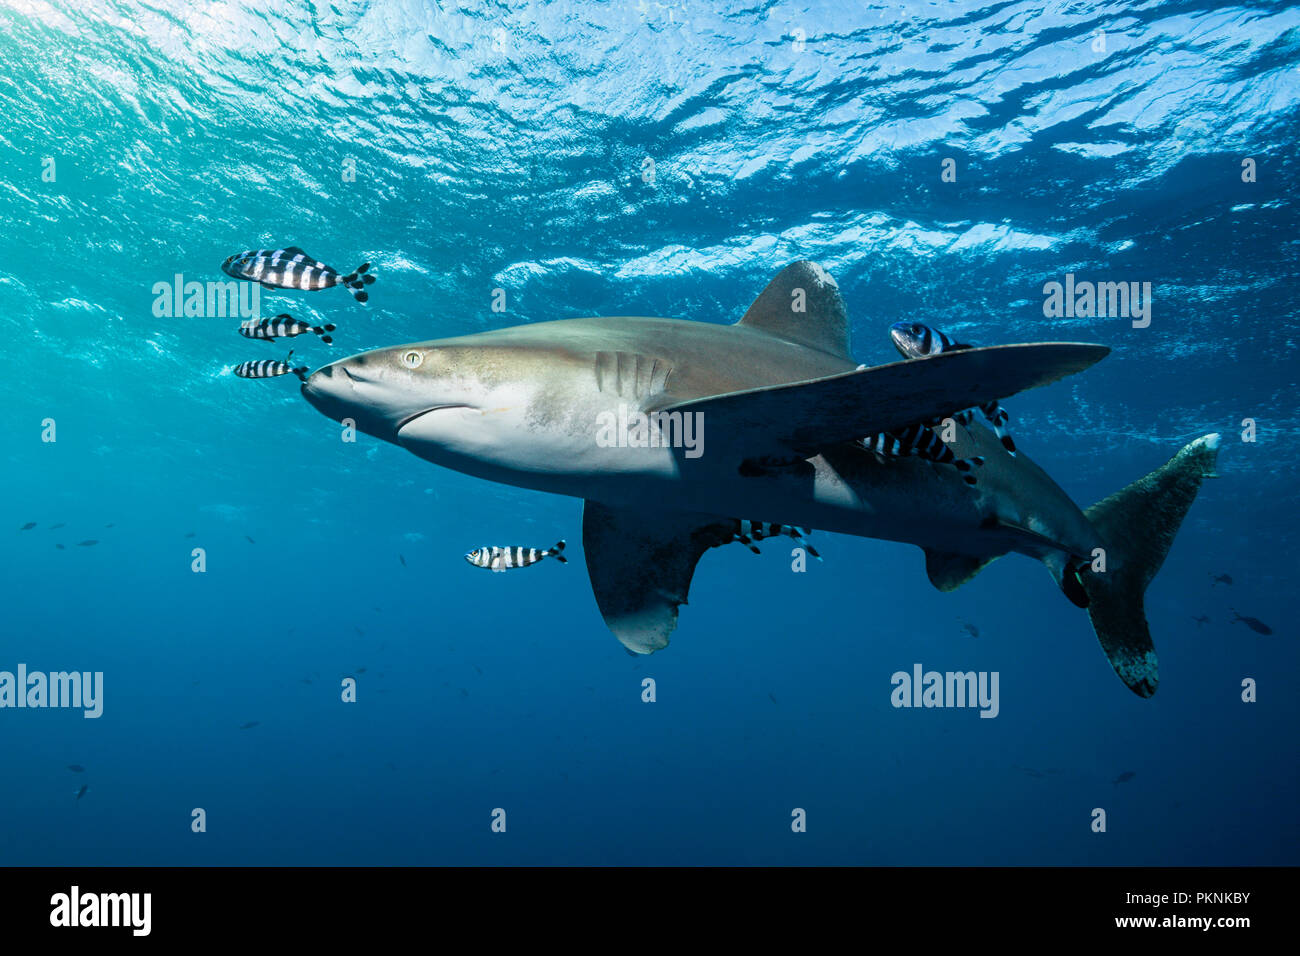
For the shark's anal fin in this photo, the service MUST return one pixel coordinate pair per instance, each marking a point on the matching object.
(641, 562)
(948, 572)
(851, 405)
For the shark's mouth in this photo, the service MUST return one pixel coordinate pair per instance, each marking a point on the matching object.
(428, 411)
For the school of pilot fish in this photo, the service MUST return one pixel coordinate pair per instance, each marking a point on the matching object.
(288, 268)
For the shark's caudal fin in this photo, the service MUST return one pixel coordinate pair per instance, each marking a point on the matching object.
(641, 563)
(803, 305)
(804, 416)
(1137, 525)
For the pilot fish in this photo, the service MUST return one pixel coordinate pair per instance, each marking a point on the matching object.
(503, 559)
(282, 327)
(921, 441)
(914, 340)
(747, 532)
(268, 368)
(292, 268)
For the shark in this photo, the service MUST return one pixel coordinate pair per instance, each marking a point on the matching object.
(775, 408)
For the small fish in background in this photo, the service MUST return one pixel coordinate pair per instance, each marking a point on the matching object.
(60, 547)
(76, 768)
(358, 630)
(914, 340)
(403, 560)
(1202, 619)
(28, 526)
(109, 525)
(269, 368)
(292, 268)
(970, 629)
(1254, 623)
(192, 534)
(56, 527)
(82, 792)
(304, 680)
(772, 698)
(1125, 777)
(464, 692)
(503, 559)
(1217, 579)
(477, 670)
(250, 725)
(249, 540)
(88, 543)
(283, 326)
(361, 670)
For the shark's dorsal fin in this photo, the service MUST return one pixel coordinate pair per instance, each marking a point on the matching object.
(641, 562)
(802, 305)
(806, 416)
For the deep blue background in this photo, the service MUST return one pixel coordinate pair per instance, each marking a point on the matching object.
(181, 137)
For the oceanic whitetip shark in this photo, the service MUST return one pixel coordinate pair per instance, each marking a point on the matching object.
(783, 405)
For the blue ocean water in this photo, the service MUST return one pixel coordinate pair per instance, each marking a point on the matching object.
(649, 159)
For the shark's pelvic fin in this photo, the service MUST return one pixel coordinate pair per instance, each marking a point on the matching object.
(948, 572)
(805, 416)
(802, 304)
(1137, 525)
(641, 562)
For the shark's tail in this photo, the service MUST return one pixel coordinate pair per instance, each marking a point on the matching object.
(1137, 525)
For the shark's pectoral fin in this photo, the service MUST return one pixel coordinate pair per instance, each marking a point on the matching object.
(948, 572)
(641, 563)
(851, 405)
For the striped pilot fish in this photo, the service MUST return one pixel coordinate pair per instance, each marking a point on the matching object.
(503, 559)
(292, 268)
(748, 532)
(282, 327)
(268, 368)
(914, 340)
(919, 440)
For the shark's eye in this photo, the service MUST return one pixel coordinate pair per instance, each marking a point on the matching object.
(412, 359)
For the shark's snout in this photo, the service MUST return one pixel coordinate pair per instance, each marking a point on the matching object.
(330, 391)
(377, 393)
